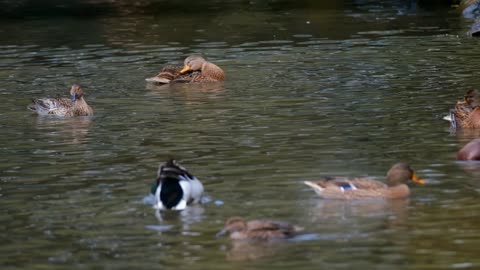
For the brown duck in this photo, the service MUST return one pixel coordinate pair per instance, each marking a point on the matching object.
(343, 188)
(466, 113)
(74, 106)
(239, 229)
(195, 69)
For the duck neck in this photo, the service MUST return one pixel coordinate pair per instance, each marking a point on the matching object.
(80, 105)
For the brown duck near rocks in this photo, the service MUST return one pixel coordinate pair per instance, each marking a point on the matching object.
(74, 106)
(239, 229)
(470, 151)
(195, 69)
(466, 113)
(343, 188)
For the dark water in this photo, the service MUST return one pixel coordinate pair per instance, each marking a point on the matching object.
(345, 88)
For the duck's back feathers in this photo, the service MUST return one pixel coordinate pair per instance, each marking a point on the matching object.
(466, 113)
(51, 106)
(175, 187)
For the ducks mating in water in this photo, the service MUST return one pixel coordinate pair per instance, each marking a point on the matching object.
(466, 113)
(74, 106)
(239, 229)
(361, 188)
(175, 187)
(195, 69)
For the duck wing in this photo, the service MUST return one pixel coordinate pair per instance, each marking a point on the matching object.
(51, 106)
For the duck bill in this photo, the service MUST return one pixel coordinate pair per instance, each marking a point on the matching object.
(74, 97)
(417, 179)
(221, 233)
(185, 69)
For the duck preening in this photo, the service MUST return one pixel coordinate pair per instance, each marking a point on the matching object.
(74, 106)
(239, 229)
(175, 187)
(466, 113)
(363, 188)
(195, 69)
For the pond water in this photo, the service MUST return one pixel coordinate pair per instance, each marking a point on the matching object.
(344, 88)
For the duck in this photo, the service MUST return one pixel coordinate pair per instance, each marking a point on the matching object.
(344, 188)
(175, 187)
(470, 151)
(74, 106)
(240, 229)
(466, 113)
(196, 69)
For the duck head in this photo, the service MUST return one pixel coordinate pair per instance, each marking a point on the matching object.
(233, 224)
(400, 173)
(192, 63)
(76, 92)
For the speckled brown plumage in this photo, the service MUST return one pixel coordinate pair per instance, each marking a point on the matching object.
(466, 113)
(363, 188)
(239, 229)
(76, 106)
(195, 70)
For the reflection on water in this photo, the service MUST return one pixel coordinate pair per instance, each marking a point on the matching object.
(74, 129)
(305, 96)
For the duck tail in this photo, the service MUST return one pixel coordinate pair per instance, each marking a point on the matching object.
(318, 189)
(32, 106)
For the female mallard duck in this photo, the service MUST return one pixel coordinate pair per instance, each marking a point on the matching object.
(195, 69)
(360, 188)
(76, 106)
(175, 187)
(239, 229)
(466, 113)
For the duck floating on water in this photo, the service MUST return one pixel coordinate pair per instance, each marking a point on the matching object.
(239, 229)
(175, 187)
(466, 113)
(74, 106)
(363, 188)
(196, 69)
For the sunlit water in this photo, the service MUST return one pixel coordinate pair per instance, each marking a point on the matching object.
(347, 89)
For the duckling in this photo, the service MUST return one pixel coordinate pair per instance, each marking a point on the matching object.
(76, 106)
(361, 188)
(195, 69)
(175, 187)
(466, 113)
(239, 229)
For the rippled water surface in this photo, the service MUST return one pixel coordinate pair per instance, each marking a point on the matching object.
(346, 88)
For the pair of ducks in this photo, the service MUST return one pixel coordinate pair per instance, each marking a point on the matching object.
(175, 188)
(195, 70)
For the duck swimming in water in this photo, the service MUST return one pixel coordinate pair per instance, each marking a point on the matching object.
(343, 188)
(196, 69)
(239, 229)
(175, 187)
(74, 106)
